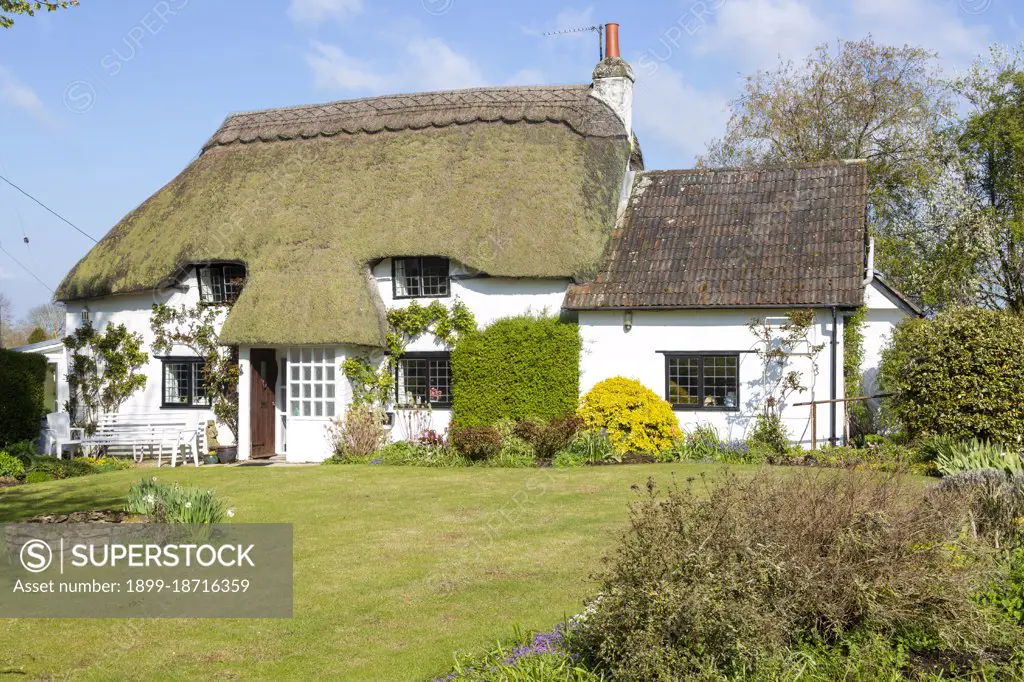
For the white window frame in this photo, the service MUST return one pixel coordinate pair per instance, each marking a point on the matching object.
(312, 383)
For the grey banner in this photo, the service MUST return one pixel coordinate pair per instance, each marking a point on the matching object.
(145, 570)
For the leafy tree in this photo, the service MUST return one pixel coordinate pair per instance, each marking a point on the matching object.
(37, 335)
(864, 101)
(11, 8)
(103, 372)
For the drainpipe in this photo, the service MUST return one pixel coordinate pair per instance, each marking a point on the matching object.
(832, 384)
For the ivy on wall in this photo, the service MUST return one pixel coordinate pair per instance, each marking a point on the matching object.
(518, 368)
(104, 370)
(858, 414)
(372, 383)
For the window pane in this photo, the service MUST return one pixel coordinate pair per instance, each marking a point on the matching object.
(412, 382)
(318, 373)
(199, 396)
(307, 355)
(329, 408)
(205, 285)
(318, 355)
(177, 376)
(684, 380)
(234, 280)
(329, 355)
(295, 372)
(440, 381)
(307, 391)
(434, 277)
(305, 408)
(318, 408)
(293, 354)
(329, 390)
(720, 381)
(295, 408)
(318, 390)
(330, 373)
(307, 373)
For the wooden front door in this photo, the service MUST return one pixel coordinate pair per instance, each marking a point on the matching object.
(262, 405)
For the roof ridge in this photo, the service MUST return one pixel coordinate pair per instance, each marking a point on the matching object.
(427, 93)
(824, 163)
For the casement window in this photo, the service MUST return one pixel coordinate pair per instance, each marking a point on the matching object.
(702, 381)
(420, 277)
(423, 379)
(184, 384)
(220, 283)
(312, 382)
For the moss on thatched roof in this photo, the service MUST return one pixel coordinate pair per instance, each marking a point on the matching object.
(525, 184)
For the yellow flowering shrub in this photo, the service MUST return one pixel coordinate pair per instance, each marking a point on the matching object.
(636, 418)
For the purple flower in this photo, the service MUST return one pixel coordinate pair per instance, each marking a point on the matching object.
(376, 460)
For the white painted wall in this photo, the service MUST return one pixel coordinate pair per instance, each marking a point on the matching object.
(609, 350)
(883, 314)
(134, 311)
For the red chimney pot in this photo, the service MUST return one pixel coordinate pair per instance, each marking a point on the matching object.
(611, 41)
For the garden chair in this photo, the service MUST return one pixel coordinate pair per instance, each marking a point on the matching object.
(60, 433)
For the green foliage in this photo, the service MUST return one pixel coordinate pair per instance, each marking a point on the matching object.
(732, 578)
(536, 657)
(524, 367)
(371, 386)
(39, 477)
(358, 434)
(1007, 594)
(956, 456)
(588, 447)
(959, 375)
(408, 322)
(635, 418)
(174, 503)
(104, 370)
(476, 443)
(36, 335)
(10, 8)
(774, 348)
(196, 328)
(548, 439)
(770, 432)
(11, 466)
(22, 381)
(858, 413)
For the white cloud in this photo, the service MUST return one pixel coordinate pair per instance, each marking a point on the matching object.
(439, 67)
(335, 70)
(675, 113)
(527, 77)
(763, 29)
(425, 64)
(5, 275)
(318, 11)
(934, 25)
(16, 95)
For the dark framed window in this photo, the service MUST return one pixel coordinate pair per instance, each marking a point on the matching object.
(702, 381)
(220, 283)
(423, 379)
(184, 383)
(420, 277)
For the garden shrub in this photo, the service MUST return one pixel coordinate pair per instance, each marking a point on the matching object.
(22, 380)
(514, 452)
(359, 434)
(770, 432)
(960, 375)
(719, 578)
(476, 443)
(588, 447)
(174, 503)
(635, 418)
(525, 367)
(11, 466)
(548, 439)
(39, 477)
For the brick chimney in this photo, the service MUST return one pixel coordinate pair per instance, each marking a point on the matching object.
(613, 79)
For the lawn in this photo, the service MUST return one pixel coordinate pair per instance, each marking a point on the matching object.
(395, 568)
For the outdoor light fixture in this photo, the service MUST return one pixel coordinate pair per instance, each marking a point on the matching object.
(627, 320)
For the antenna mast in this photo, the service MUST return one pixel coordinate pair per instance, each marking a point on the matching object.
(599, 29)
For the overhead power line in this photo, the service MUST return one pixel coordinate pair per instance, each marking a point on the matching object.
(31, 274)
(76, 227)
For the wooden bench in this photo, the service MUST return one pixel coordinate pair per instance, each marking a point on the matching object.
(141, 430)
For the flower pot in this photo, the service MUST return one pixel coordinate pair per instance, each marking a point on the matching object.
(227, 454)
(211, 459)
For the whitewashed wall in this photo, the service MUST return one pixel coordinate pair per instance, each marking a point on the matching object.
(883, 314)
(609, 350)
(134, 311)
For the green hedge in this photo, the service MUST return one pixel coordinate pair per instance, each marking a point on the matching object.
(517, 368)
(22, 377)
(960, 375)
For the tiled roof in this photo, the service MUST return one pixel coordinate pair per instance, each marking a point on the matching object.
(792, 236)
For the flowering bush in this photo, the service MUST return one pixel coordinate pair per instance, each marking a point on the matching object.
(635, 418)
(539, 657)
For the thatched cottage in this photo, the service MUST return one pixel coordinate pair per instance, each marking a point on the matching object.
(315, 219)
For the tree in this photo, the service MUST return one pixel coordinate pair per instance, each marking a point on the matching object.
(11, 8)
(864, 101)
(6, 316)
(37, 335)
(103, 371)
(49, 317)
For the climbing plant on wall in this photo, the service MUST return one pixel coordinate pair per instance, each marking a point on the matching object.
(858, 414)
(103, 371)
(776, 345)
(372, 382)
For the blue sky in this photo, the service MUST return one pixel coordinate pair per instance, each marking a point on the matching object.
(102, 104)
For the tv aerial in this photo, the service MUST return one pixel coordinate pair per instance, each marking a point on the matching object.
(598, 29)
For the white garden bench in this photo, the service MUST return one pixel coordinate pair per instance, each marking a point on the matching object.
(139, 431)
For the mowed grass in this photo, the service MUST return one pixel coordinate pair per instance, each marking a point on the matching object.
(395, 568)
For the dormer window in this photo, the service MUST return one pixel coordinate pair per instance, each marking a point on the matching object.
(221, 283)
(425, 277)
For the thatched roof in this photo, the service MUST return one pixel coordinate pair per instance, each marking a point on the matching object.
(518, 182)
(790, 236)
